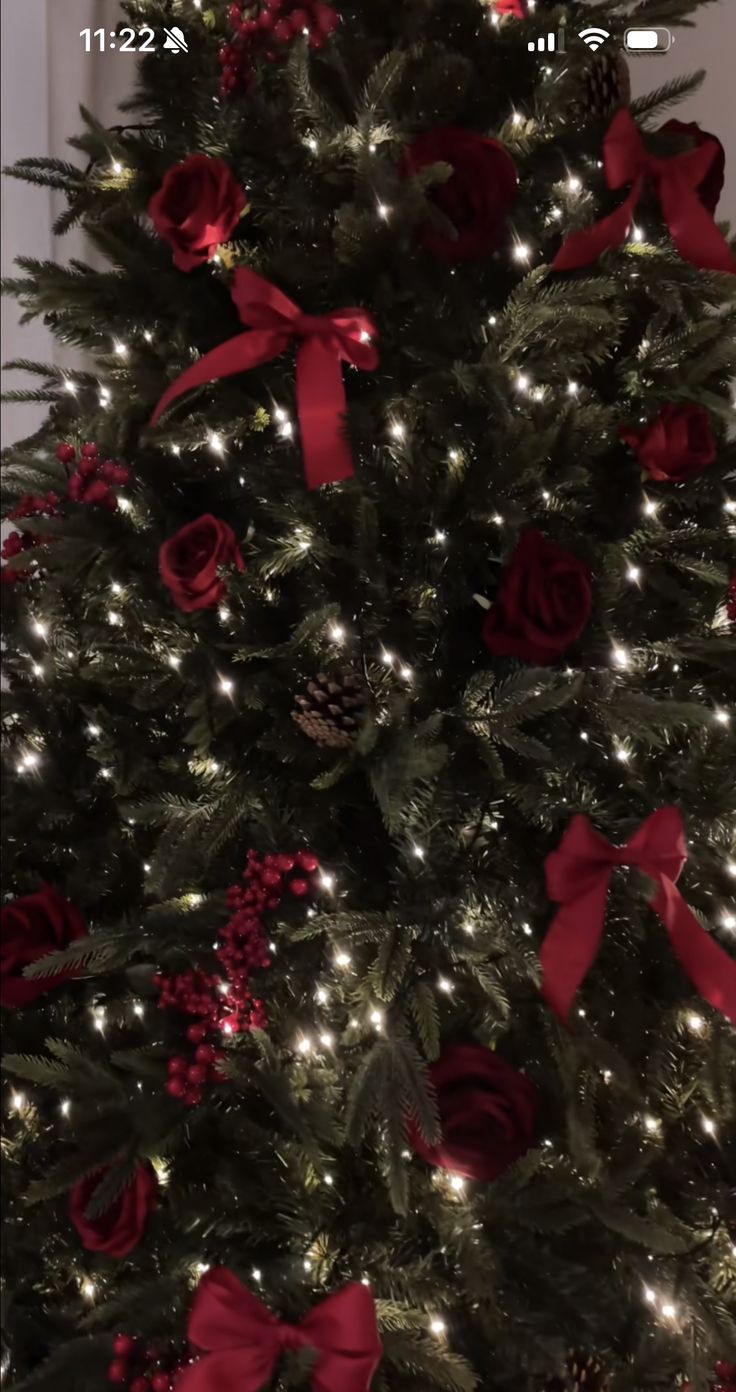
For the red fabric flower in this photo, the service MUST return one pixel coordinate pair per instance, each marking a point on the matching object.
(678, 444)
(543, 602)
(517, 8)
(30, 928)
(488, 1113)
(476, 198)
(198, 206)
(190, 560)
(709, 191)
(120, 1228)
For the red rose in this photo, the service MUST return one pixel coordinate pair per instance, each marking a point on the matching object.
(30, 928)
(189, 562)
(198, 206)
(487, 1109)
(475, 199)
(543, 602)
(709, 190)
(120, 1228)
(517, 8)
(678, 444)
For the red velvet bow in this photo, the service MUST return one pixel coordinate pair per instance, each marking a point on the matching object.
(243, 1341)
(578, 876)
(326, 340)
(676, 181)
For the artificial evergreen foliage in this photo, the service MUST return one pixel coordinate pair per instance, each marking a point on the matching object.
(147, 749)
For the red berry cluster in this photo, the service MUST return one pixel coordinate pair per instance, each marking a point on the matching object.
(725, 1375)
(224, 1003)
(93, 479)
(30, 505)
(141, 1368)
(267, 28)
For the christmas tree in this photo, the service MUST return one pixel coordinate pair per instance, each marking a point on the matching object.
(367, 940)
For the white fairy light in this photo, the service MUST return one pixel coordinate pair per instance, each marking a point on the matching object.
(637, 234)
(633, 574)
(37, 669)
(114, 618)
(527, 929)
(437, 1326)
(620, 657)
(139, 1009)
(731, 867)
(104, 396)
(88, 1289)
(387, 658)
(148, 335)
(286, 429)
(696, 1023)
(124, 503)
(708, 1125)
(668, 1310)
(342, 959)
(326, 1040)
(322, 995)
(516, 118)
(329, 1179)
(336, 633)
(223, 614)
(418, 851)
(327, 881)
(117, 167)
(307, 1264)
(497, 519)
(573, 388)
(65, 1107)
(584, 735)
(18, 1102)
(376, 1018)
(257, 1274)
(730, 505)
(492, 319)
(105, 773)
(650, 1296)
(722, 717)
(70, 386)
(457, 1183)
(116, 587)
(522, 251)
(215, 443)
(226, 685)
(574, 184)
(444, 985)
(649, 507)
(397, 430)
(312, 144)
(304, 1045)
(383, 211)
(173, 660)
(29, 761)
(121, 349)
(623, 754)
(99, 1018)
(453, 456)
(728, 920)
(522, 382)
(651, 1124)
(406, 673)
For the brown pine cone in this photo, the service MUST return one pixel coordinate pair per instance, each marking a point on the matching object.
(606, 85)
(331, 710)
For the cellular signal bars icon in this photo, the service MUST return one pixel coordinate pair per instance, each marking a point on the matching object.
(548, 43)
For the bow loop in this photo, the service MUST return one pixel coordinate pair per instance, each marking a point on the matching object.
(676, 181)
(578, 876)
(241, 1341)
(273, 320)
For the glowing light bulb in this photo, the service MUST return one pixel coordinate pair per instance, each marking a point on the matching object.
(522, 251)
(574, 184)
(326, 1040)
(728, 920)
(383, 211)
(327, 881)
(387, 657)
(620, 657)
(637, 234)
(516, 118)
(444, 985)
(121, 350)
(88, 1289)
(138, 1008)
(651, 1124)
(376, 1018)
(215, 443)
(226, 685)
(633, 574)
(148, 335)
(114, 618)
(457, 1183)
(173, 660)
(669, 1311)
(722, 717)
(418, 851)
(406, 673)
(223, 614)
(304, 1045)
(708, 1126)
(649, 507)
(70, 386)
(329, 1179)
(440, 537)
(650, 1296)
(18, 1101)
(37, 669)
(342, 959)
(99, 1016)
(117, 167)
(65, 1107)
(397, 430)
(573, 388)
(437, 1326)
(522, 382)
(256, 1273)
(336, 633)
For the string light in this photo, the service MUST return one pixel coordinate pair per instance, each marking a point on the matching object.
(376, 1019)
(440, 537)
(522, 382)
(650, 1296)
(18, 1102)
(327, 881)
(88, 1289)
(304, 1045)
(406, 673)
(215, 443)
(387, 657)
(114, 618)
(696, 1023)
(226, 685)
(342, 959)
(457, 1183)
(633, 574)
(336, 633)
(148, 335)
(573, 388)
(522, 251)
(437, 1326)
(574, 184)
(99, 1016)
(37, 669)
(649, 507)
(383, 211)
(637, 234)
(257, 1274)
(121, 349)
(70, 386)
(669, 1311)
(326, 1040)
(708, 1126)
(444, 985)
(397, 430)
(124, 503)
(620, 657)
(173, 660)
(728, 921)
(418, 851)
(722, 717)
(117, 167)
(651, 1124)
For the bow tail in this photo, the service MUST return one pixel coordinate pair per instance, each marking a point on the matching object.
(572, 944)
(693, 229)
(237, 354)
(231, 1370)
(321, 401)
(582, 248)
(710, 969)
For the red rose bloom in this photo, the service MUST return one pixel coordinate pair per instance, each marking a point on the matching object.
(189, 562)
(488, 1113)
(678, 444)
(120, 1228)
(517, 8)
(198, 206)
(475, 199)
(709, 190)
(30, 928)
(543, 602)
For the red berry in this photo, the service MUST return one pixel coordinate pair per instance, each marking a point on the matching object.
(196, 1033)
(197, 1074)
(192, 1098)
(178, 1064)
(271, 879)
(233, 15)
(287, 863)
(117, 1372)
(89, 451)
(206, 1053)
(266, 20)
(282, 31)
(140, 1384)
(160, 1382)
(87, 468)
(123, 1345)
(65, 453)
(98, 492)
(299, 887)
(176, 1087)
(725, 1370)
(308, 861)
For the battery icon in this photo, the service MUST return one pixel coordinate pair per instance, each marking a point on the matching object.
(648, 40)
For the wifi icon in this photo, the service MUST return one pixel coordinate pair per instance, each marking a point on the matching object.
(594, 37)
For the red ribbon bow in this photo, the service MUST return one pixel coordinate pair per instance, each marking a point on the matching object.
(578, 876)
(243, 1341)
(326, 341)
(676, 181)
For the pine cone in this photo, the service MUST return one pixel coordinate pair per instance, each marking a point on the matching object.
(331, 710)
(584, 1373)
(607, 85)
